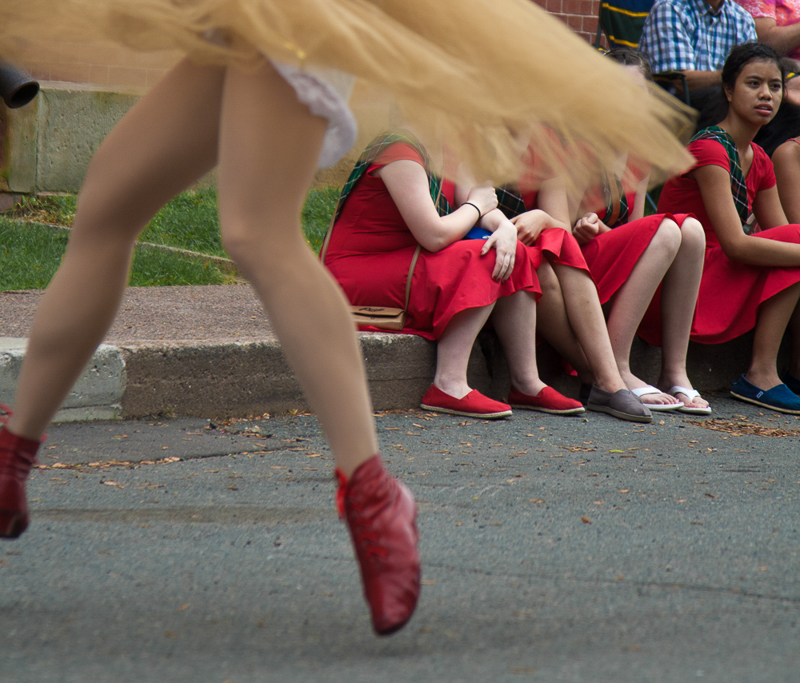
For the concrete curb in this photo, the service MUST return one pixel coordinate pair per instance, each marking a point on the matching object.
(97, 395)
(239, 379)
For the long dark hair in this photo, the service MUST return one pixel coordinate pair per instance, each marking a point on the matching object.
(739, 57)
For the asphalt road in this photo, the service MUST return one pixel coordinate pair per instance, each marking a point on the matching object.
(554, 549)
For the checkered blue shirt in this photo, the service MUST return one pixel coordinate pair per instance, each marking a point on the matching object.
(686, 35)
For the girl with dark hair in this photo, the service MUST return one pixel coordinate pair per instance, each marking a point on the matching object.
(751, 278)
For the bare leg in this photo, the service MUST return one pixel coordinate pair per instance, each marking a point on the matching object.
(269, 145)
(794, 328)
(454, 347)
(773, 317)
(167, 140)
(678, 300)
(633, 298)
(586, 318)
(554, 326)
(514, 320)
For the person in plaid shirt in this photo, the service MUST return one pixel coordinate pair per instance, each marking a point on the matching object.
(695, 37)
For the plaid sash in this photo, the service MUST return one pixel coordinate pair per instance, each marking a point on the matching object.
(371, 153)
(509, 200)
(616, 201)
(738, 187)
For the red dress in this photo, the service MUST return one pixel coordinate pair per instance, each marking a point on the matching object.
(371, 247)
(730, 292)
(611, 256)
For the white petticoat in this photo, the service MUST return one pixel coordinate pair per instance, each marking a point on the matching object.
(325, 92)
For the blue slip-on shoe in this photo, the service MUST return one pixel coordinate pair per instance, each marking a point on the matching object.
(779, 398)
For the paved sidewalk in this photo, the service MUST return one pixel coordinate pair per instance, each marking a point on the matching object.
(555, 549)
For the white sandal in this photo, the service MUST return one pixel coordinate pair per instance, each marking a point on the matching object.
(691, 394)
(646, 391)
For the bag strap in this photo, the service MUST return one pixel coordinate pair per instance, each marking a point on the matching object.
(327, 240)
(411, 275)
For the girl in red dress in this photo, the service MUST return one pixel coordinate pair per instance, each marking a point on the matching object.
(786, 160)
(387, 210)
(632, 258)
(750, 279)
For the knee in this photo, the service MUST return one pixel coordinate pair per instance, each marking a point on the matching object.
(668, 236)
(548, 281)
(692, 235)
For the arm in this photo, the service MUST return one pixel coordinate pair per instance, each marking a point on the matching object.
(715, 187)
(407, 184)
(637, 210)
(782, 39)
(786, 160)
(702, 79)
(552, 199)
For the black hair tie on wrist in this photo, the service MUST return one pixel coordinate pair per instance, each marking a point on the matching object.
(480, 215)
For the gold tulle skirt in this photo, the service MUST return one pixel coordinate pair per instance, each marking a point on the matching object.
(481, 77)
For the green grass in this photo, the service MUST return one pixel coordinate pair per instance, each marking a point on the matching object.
(30, 254)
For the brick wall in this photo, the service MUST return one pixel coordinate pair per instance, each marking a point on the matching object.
(119, 68)
(579, 15)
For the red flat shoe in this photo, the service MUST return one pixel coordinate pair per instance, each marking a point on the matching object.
(474, 404)
(548, 400)
(17, 456)
(381, 515)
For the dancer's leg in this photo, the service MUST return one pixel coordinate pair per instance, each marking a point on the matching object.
(679, 290)
(269, 145)
(633, 298)
(773, 317)
(586, 318)
(554, 326)
(166, 141)
(514, 320)
(454, 347)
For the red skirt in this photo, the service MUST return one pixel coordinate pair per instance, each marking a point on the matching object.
(730, 293)
(612, 256)
(448, 281)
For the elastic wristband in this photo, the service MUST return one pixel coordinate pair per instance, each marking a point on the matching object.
(480, 215)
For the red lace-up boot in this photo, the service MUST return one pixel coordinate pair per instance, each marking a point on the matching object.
(381, 514)
(17, 456)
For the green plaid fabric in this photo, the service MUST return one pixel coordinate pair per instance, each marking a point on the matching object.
(624, 209)
(738, 187)
(509, 200)
(373, 150)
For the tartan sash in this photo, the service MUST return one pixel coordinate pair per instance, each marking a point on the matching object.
(616, 201)
(509, 200)
(371, 153)
(738, 186)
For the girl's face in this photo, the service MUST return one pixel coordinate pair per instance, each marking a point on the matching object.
(757, 93)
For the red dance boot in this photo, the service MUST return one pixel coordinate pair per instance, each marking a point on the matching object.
(17, 456)
(381, 514)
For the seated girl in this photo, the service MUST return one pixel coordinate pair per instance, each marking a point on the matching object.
(632, 258)
(786, 160)
(570, 316)
(393, 203)
(749, 280)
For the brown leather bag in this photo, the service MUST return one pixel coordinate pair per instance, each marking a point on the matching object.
(382, 317)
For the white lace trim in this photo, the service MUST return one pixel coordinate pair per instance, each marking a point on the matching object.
(325, 92)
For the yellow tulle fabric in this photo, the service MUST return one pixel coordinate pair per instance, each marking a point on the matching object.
(481, 77)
